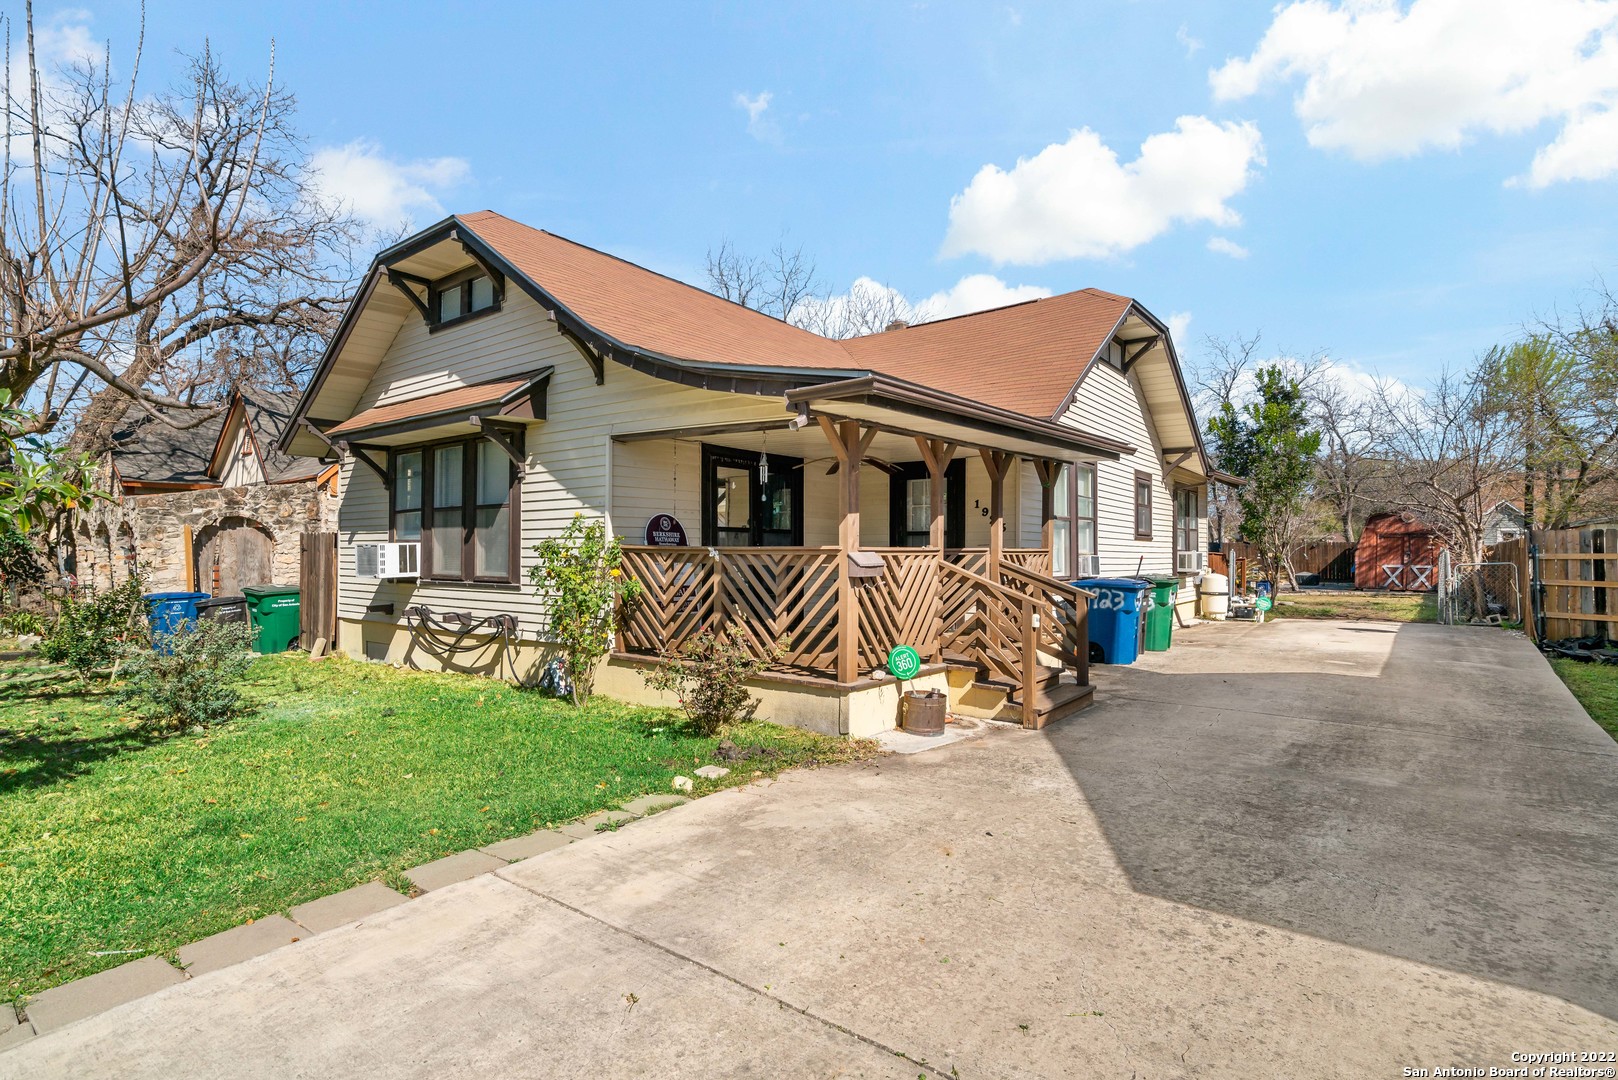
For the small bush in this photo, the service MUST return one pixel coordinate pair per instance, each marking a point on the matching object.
(193, 685)
(706, 674)
(18, 623)
(581, 572)
(93, 627)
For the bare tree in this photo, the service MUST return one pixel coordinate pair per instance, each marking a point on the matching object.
(159, 248)
(868, 307)
(1447, 450)
(776, 284)
(1218, 378)
(1348, 470)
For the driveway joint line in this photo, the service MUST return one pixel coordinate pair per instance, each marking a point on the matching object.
(733, 980)
(1406, 732)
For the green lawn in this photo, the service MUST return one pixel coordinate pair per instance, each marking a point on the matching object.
(1390, 607)
(1596, 687)
(114, 845)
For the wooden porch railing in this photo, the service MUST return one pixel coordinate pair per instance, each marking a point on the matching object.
(1017, 628)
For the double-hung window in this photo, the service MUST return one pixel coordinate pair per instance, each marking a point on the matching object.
(1143, 506)
(460, 500)
(1187, 549)
(1073, 522)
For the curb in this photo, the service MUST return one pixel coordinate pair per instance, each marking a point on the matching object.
(62, 1005)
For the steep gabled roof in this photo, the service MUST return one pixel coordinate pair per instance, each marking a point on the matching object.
(1025, 358)
(149, 453)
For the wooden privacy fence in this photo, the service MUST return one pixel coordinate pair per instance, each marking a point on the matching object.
(317, 584)
(1333, 560)
(1576, 573)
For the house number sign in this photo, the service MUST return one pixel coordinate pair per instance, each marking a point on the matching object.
(665, 530)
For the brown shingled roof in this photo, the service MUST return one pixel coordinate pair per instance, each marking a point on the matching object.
(460, 399)
(1025, 357)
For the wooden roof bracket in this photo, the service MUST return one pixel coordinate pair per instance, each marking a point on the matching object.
(1146, 345)
(505, 434)
(597, 362)
(402, 281)
(344, 449)
(1185, 455)
(476, 256)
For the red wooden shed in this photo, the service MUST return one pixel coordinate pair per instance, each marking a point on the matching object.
(1396, 552)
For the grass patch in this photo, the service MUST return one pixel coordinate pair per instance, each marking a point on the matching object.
(1596, 687)
(1388, 607)
(347, 772)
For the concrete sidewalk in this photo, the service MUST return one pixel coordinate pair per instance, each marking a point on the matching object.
(974, 911)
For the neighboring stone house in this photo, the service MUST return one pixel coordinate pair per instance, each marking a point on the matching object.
(212, 507)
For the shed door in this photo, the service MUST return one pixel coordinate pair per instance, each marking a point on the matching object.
(231, 554)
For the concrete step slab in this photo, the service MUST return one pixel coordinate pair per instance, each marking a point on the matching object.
(651, 804)
(585, 828)
(239, 943)
(452, 868)
(526, 847)
(61, 1005)
(350, 905)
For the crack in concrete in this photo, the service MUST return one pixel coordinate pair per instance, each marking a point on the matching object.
(733, 980)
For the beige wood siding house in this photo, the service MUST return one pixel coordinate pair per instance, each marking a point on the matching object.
(630, 396)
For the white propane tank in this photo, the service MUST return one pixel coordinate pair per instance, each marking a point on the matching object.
(1215, 596)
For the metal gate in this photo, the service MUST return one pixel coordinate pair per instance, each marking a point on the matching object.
(1481, 593)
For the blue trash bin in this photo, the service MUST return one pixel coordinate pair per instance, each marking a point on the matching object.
(1116, 618)
(169, 613)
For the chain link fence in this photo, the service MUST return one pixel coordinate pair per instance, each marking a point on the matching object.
(1487, 593)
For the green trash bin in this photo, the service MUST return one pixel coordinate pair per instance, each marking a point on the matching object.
(1160, 619)
(273, 611)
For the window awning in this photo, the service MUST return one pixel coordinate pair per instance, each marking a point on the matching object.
(517, 399)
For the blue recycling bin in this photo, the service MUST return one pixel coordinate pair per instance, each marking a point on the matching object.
(1116, 618)
(169, 613)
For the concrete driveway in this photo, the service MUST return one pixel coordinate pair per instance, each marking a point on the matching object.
(1317, 849)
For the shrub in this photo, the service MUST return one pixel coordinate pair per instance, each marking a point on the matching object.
(193, 684)
(18, 623)
(581, 571)
(93, 626)
(706, 675)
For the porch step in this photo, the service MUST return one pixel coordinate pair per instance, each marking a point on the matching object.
(1048, 679)
(1053, 703)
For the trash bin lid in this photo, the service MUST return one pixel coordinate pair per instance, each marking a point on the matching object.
(1134, 584)
(217, 601)
(257, 591)
(175, 596)
(1161, 582)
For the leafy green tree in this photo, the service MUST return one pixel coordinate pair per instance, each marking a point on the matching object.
(581, 572)
(1271, 443)
(38, 479)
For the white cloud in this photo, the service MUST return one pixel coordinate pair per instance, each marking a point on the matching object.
(65, 38)
(1075, 200)
(1380, 80)
(1179, 324)
(1224, 245)
(381, 191)
(1190, 44)
(978, 292)
(759, 123)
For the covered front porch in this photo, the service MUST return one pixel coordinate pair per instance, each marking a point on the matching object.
(855, 524)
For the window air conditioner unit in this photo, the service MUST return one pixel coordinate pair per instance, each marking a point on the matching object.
(1087, 566)
(384, 562)
(1187, 562)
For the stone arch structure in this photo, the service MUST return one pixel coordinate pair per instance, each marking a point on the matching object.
(233, 552)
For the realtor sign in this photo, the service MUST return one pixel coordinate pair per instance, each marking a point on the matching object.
(665, 530)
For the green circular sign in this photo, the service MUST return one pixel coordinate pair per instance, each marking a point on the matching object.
(1264, 603)
(903, 662)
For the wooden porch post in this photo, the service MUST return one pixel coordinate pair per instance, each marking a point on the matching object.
(998, 463)
(849, 445)
(1048, 472)
(936, 454)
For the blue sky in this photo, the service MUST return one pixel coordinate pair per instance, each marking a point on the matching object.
(1400, 185)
